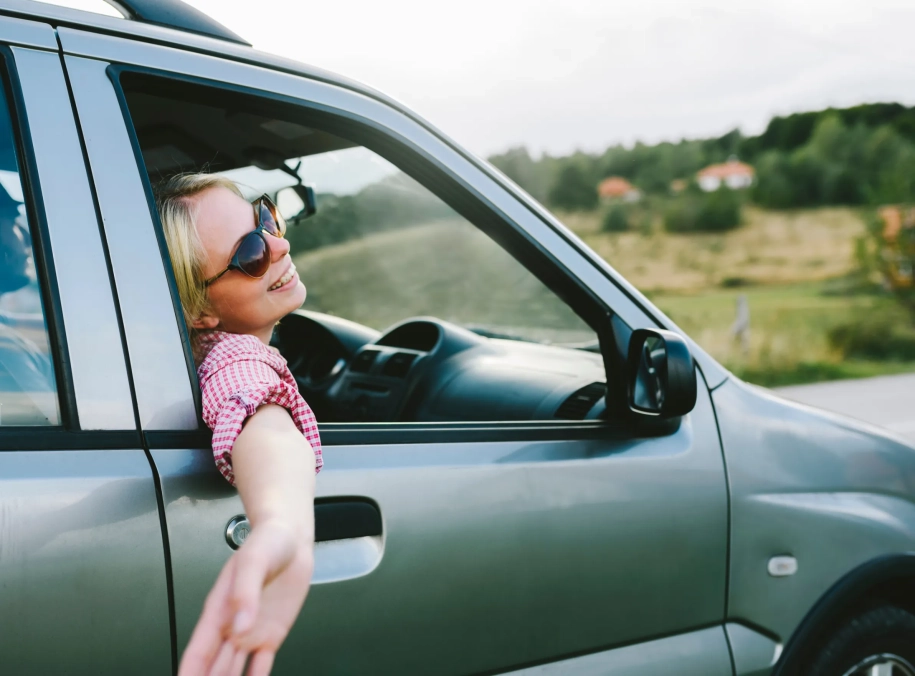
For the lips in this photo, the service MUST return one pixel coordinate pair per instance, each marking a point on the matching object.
(289, 274)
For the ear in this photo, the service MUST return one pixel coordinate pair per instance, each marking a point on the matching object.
(205, 321)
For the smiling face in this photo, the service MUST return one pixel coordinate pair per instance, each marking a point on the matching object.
(238, 303)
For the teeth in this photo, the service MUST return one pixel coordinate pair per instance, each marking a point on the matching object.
(285, 278)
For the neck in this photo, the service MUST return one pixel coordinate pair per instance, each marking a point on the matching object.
(264, 335)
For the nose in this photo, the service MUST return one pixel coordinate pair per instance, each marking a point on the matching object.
(279, 247)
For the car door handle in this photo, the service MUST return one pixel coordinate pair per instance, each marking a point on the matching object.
(346, 518)
(335, 519)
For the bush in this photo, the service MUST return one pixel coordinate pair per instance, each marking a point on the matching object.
(719, 211)
(881, 337)
(616, 219)
(713, 212)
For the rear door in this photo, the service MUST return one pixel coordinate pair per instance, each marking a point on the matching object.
(82, 563)
(456, 547)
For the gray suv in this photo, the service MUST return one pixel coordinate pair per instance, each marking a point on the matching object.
(528, 468)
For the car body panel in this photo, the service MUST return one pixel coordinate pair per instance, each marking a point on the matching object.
(493, 553)
(699, 653)
(754, 654)
(82, 569)
(823, 488)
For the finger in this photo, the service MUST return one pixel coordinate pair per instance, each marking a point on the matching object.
(207, 638)
(224, 660)
(238, 664)
(261, 663)
(248, 585)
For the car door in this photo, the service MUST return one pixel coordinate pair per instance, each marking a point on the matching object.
(82, 560)
(453, 548)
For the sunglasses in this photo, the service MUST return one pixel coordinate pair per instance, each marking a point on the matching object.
(252, 256)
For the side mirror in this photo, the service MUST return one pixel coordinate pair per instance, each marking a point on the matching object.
(661, 374)
(297, 203)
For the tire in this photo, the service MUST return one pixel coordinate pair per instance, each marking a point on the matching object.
(878, 642)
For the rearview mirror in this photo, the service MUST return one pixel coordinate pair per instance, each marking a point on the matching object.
(296, 203)
(661, 374)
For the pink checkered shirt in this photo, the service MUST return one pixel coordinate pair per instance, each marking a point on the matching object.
(238, 373)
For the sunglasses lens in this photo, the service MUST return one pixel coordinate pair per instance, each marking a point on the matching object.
(270, 218)
(253, 256)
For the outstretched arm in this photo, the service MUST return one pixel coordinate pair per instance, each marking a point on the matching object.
(262, 587)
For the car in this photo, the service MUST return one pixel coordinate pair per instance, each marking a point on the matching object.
(528, 467)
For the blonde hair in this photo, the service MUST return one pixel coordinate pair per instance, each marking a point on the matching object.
(178, 213)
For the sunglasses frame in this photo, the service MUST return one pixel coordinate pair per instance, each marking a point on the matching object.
(234, 264)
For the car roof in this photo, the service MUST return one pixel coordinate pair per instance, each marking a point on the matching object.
(184, 39)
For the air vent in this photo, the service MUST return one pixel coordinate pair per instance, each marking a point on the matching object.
(576, 407)
(398, 365)
(363, 361)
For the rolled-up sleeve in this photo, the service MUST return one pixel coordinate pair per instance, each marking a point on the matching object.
(233, 391)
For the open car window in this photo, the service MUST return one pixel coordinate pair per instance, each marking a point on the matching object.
(414, 312)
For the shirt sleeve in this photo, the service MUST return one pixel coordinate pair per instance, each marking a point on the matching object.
(234, 392)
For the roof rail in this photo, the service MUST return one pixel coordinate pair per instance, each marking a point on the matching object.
(175, 14)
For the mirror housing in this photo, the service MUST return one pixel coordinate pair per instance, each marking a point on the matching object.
(299, 193)
(661, 375)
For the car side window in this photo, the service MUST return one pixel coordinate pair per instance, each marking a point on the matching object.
(28, 391)
(440, 322)
(381, 248)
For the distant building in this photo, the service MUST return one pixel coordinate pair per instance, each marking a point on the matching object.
(734, 174)
(618, 188)
(678, 185)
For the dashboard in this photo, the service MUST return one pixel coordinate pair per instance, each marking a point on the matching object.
(424, 369)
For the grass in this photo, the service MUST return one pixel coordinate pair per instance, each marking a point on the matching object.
(771, 247)
(785, 263)
(448, 269)
(788, 330)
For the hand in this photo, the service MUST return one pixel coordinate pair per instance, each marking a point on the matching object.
(252, 606)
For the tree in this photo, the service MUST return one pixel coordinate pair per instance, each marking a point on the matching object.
(573, 190)
(519, 166)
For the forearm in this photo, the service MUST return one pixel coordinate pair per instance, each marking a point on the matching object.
(274, 468)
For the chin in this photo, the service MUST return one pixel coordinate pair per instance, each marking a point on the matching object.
(295, 298)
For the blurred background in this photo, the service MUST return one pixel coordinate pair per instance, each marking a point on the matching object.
(749, 166)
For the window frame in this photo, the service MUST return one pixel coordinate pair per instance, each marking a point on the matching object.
(449, 186)
(39, 436)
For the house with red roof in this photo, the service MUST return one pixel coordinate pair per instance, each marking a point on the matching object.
(733, 174)
(616, 188)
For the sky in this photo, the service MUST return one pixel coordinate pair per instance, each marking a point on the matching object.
(561, 75)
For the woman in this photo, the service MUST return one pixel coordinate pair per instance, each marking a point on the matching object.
(236, 280)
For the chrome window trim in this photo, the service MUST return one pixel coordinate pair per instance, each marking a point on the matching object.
(157, 360)
(103, 394)
(25, 33)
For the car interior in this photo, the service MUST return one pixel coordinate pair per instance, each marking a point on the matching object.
(422, 369)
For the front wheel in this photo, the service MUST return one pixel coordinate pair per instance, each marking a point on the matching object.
(880, 642)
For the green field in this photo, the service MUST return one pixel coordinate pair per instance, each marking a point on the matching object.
(789, 265)
(788, 330)
(448, 269)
